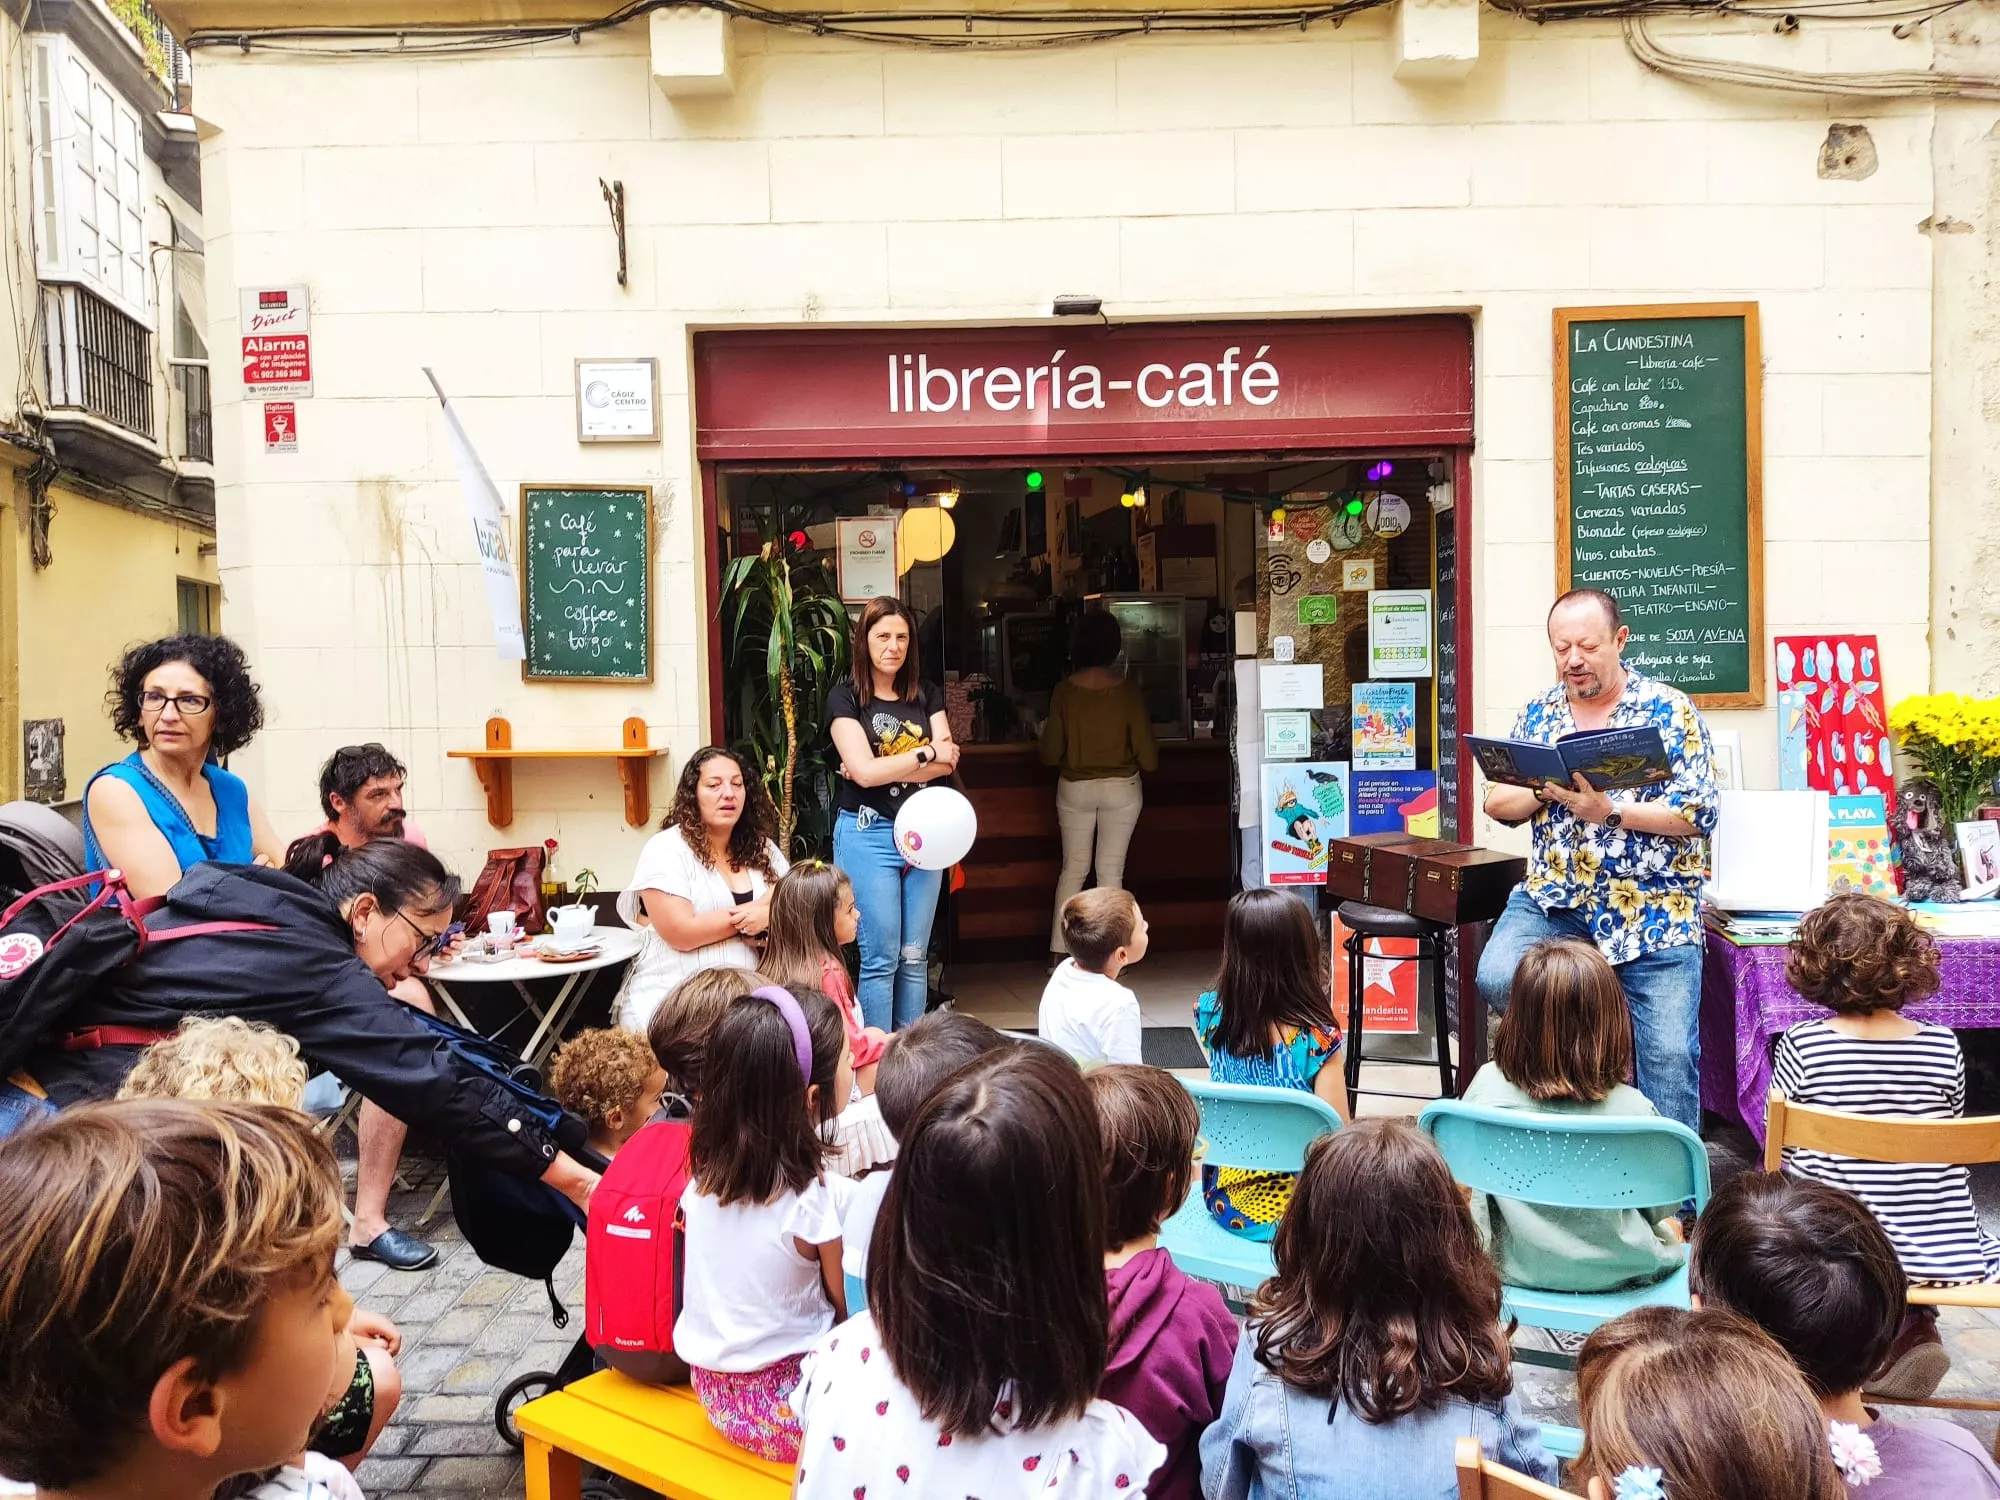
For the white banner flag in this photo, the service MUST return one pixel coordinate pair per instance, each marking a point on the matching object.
(489, 529)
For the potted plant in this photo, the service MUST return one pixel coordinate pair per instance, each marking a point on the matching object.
(789, 641)
(573, 923)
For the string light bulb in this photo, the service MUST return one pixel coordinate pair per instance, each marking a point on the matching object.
(947, 499)
(1277, 515)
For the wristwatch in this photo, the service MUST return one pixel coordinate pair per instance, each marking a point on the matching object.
(1614, 819)
(925, 755)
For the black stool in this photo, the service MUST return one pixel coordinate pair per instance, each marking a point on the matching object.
(1364, 922)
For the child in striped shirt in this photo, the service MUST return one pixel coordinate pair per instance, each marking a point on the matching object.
(1865, 959)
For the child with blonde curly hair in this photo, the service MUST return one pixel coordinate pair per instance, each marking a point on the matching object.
(1865, 959)
(612, 1079)
(221, 1057)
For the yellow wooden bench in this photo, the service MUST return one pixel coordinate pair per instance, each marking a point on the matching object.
(653, 1435)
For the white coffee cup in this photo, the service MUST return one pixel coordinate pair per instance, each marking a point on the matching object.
(500, 924)
(573, 924)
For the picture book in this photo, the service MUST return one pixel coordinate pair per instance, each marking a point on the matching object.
(1979, 847)
(1305, 809)
(1858, 854)
(1609, 759)
(1385, 726)
(1833, 732)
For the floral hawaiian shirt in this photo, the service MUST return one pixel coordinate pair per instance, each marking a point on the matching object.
(1640, 891)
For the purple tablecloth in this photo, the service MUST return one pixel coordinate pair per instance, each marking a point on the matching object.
(1745, 1003)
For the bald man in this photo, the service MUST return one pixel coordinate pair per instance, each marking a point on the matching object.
(1620, 870)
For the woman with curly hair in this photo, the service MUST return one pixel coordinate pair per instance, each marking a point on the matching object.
(701, 893)
(188, 701)
(1865, 959)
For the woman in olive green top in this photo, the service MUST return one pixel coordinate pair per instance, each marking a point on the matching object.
(1099, 733)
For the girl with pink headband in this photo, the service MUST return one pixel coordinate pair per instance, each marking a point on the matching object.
(762, 1249)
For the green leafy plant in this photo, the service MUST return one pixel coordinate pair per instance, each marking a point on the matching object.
(583, 883)
(788, 643)
(140, 20)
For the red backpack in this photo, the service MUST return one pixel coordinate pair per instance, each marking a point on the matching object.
(632, 1249)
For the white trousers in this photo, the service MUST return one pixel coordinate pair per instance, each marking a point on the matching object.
(1099, 814)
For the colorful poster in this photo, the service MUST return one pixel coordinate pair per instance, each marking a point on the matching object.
(1833, 731)
(1385, 726)
(1305, 809)
(1389, 983)
(1396, 802)
(1857, 846)
(1399, 633)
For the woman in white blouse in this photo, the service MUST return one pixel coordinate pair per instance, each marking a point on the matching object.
(701, 893)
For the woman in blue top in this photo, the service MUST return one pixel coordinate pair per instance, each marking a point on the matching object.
(1269, 1020)
(167, 807)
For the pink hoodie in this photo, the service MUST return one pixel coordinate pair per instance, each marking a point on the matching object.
(1172, 1343)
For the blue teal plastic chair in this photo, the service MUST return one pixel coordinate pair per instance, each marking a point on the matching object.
(1244, 1125)
(1571, 1161)
(857, 1294)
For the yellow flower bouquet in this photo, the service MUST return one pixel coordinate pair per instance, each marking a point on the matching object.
(1955, 740)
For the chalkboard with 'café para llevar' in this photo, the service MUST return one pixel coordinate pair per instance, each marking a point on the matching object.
(586, 585)
(1659, 463)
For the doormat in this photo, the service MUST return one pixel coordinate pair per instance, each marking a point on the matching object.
(1171, 1047)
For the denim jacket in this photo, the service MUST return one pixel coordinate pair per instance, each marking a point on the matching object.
(1276, 1443)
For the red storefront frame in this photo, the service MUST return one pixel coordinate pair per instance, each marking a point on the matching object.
(854, 398)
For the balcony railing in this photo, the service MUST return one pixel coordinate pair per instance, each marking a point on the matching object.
(165, 57)
(197, 436)
(99, 360)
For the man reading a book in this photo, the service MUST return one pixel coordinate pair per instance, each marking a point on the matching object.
(1622, 869)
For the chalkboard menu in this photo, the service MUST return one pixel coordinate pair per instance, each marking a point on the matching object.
(586, 596)
(1659, 486)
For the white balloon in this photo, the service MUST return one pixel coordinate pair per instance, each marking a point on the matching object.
(936, 827)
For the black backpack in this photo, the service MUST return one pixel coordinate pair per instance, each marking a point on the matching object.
(59, 942)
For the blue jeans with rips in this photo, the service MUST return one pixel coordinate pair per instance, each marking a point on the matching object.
(897, 902)
(1663, 989)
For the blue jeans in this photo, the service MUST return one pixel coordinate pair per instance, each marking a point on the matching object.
(1662, 988)
(18, 1107)
(898, 902)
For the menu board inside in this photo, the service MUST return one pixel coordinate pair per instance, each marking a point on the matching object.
(1658, 492)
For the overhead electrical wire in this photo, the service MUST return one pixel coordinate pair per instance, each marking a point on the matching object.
(992, 29)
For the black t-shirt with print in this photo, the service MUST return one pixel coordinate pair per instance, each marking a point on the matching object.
(892, 725)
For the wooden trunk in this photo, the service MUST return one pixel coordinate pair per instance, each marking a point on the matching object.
(1392, 872)
(1465, 886)
(1347, 862)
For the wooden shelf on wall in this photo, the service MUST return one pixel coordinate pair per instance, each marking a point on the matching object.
(494, 764)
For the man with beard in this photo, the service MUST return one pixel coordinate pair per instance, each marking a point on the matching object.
(361, 793)
(1620, 870)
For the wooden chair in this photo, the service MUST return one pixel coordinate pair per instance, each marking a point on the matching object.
(1890, 1138)
(1479, 1478)
(656, 1436)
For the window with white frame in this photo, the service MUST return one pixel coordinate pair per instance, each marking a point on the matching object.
(90, 207)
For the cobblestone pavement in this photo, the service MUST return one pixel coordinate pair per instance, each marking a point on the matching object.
(469, 1331)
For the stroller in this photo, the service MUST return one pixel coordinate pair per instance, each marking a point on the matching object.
(38, 847)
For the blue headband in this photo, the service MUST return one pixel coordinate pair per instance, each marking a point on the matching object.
(794, 1018)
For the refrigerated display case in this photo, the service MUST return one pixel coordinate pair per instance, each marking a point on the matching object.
(1154, 628)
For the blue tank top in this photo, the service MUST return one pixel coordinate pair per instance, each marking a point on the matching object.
(232, 844)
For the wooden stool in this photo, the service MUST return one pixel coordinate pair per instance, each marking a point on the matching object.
(1364, 922)
(653, 1435)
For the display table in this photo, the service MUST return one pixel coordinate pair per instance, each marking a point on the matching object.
(1745, 1004)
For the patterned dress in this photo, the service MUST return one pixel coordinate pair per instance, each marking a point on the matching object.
(1246, 1202)
(1640, 891)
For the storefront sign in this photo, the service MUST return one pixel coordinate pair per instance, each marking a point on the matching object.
(277, 341)
(617, 400)
(1399, 633)
(281, 427)
(867, 558)
(1131, 388)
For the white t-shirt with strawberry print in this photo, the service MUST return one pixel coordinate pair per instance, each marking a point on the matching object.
(866, 1439)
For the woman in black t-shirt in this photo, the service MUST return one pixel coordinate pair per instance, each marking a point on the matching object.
(892, 735)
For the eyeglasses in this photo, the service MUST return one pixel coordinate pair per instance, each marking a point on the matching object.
(430, 942)
(187, 705)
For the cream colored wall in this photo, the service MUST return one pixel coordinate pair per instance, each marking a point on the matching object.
(448, 212)
(113, 582)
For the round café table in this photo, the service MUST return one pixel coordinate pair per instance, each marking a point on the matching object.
(616, 945)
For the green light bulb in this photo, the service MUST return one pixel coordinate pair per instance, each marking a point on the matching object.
(1355, 507)
(1035, 479)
